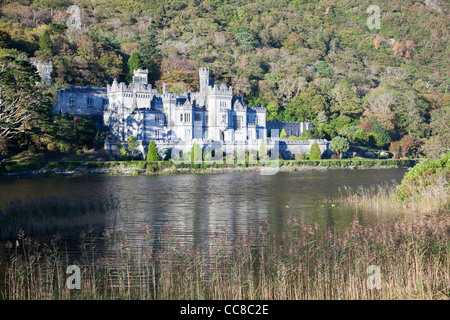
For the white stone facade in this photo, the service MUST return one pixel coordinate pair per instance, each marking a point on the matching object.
(211, 114)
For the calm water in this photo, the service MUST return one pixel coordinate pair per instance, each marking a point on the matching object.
(198, 205)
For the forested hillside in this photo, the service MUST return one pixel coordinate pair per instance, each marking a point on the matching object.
(302, 60)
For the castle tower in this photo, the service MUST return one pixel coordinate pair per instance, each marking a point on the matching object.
(44, 70)
(140, 76)
(204, 79)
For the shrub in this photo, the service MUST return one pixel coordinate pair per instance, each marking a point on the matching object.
(152, 154)
(123, 154)
(137, 164)
(73, 165)
(395, 149)
(424, 179)
(33, 150)
(61, 165)
(262, 153)
(196, 153)
(51, 165)
(379, 137)
(33, 166)
(314, 151)
(52, 146)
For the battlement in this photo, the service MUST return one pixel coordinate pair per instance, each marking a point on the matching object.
(140, 76)
(131, 88)
(275, 123)
(223, 89)
(259, 109)
(203, 70)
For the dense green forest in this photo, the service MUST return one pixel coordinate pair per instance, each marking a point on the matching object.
(302, 60)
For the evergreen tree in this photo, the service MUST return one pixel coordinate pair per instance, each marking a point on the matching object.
(45, 42)
(283, 134)
(314, 151)
(123, 152)
(150, 54)
(262, 154)
(134, 63)
(152, 154)
(324, 69)
(5, 39)
(196, 153)
(25, 108)
(85, 131)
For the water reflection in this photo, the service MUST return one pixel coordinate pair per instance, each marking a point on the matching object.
(196, 206)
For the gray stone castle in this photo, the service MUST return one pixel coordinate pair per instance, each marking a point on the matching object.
(137, 109)
(213, 114)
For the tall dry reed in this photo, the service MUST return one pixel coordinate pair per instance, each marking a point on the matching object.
(304, 263)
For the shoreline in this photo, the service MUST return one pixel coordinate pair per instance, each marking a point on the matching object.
(168, 170)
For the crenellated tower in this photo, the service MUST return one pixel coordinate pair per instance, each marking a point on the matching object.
(204, 79)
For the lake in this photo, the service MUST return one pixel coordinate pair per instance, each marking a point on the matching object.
(197, 205)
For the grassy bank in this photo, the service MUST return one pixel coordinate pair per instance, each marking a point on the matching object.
(155, 167)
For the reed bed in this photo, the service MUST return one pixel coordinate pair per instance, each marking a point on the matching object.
(382, 199)
(304, 263)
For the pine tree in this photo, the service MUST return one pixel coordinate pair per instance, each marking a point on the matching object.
(134, 63)
(45, 42)
(283, 134)
(150, 54)
(26, 108)
(152, 154)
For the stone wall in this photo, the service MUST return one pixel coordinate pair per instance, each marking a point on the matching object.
(87, 101)
(291, 128)
(286, 148)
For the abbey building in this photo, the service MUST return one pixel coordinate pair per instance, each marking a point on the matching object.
(211, 114)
